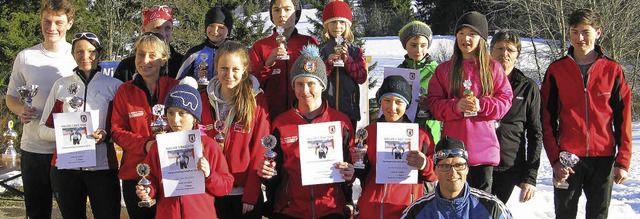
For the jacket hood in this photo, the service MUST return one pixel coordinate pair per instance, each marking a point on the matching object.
(213, 88)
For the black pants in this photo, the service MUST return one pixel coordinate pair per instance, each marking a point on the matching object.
(71, 188)
(230, 207)
(37, 184)
(594, 176)
(481, 177)
(131, 201)
(504, 182)
(284, 216)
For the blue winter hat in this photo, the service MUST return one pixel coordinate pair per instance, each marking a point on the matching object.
(185, 96)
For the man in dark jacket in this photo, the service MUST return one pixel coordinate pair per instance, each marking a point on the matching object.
(159, 20)
(520, 131)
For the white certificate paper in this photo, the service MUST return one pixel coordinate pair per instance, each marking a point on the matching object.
(413, 77)
(179, 154)
(394, 141)
(75, 147)
(320, 149)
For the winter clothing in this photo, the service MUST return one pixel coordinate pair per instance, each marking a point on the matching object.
(397, 86)
(186, 97)
(275, 80)
(242, 148)
(219, 183)
(476, 21)
(473, 203)
(448, 143)
(414, 29)
(336, 10)
(221, 15)
(310, 64)
(291, 198)
(389, 200)
(477, 132)
(126, 69)
(193, 58)
(155, 13)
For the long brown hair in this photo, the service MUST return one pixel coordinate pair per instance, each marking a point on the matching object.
(243, 97)
(456, 76)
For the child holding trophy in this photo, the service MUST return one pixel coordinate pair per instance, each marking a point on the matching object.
(235, 100)
(87, 90)
(346, 67)
(184, 109)
(469, 93)
(132, 114)
(272, 60)
(389, 200)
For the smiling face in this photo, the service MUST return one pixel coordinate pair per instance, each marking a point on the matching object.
(467, 41)
(231, 69)
(180, 119)
(417, 47)
(85, 55)
(583, 37)
(283, 13)
(308, 90)
(217, 32)
(506, 53)
(452, 181)
(393, 108)
(149, 60)
(54, 26)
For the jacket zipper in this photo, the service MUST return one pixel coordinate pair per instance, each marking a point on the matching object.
(586, 108)
(384, 194)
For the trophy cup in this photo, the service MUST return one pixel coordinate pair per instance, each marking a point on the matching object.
(143, 170)
(361, 135)
(10, 135)
(27, 92)
(282, 42)
(269, 142)
(159, 125)
(203, 66)
(220, 126)
(338, 48)
(75, 102)
(468, 93)
(568, 160)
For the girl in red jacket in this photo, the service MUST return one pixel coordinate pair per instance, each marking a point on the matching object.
(183, 110)
(235, 97)
(469, 93)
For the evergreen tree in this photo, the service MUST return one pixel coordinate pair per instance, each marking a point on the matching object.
(249, 26)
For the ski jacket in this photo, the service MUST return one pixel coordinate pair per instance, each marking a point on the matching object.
(189, 63)
(126, 69)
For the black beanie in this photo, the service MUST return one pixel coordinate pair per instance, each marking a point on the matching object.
(296, 4)
(395, 85)
(219, 14)
(476, 21)
(448, 143)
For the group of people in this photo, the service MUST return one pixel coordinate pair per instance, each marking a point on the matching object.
(480, 128)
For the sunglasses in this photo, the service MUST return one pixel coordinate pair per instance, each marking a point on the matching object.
(447, 167)
(160, 7)
(447, 153)
(85, 35)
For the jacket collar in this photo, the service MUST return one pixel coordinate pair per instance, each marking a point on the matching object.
(417, 64)
(405, 119)
(458, 203)
(82, 77)
(597, 48)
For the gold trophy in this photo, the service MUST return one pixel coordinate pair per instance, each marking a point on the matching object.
(203, 67)
(282, 42)
(75, 102)
(143, 170)
(159, 125)
(9, 136)
(568, 160)
(468, 94)
(269, 142)
(361, 135)
(338, 48)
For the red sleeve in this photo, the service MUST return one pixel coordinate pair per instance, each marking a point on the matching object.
(155, 174)
(257, 59)
(57, 108)
(549, 103)
(496, 106)
(441, 106)
(121, 133)
(220, 181)
(252, 187)
(427, 174)
(622, 122)
(357, 68)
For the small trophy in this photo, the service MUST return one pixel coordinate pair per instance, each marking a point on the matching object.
(468, 93)
(568, 160)
(338, 48)
(422, 113)
(269, 142)
(220, 126)
(10, 135)
(282, 42)
(159, 125)
(75, 102)
(27, 92)
(143, 170)
(203, 67)
(361, 135)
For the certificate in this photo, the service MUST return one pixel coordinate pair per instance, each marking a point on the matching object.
(75, 147)
(413, 77)
(394, 141)
(179, 154)
(320, 149)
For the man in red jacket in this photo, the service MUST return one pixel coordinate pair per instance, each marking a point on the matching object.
(586, 110)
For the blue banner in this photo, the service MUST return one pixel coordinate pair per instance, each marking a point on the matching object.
(109, 67)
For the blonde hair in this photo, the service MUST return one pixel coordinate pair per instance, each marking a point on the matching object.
(347, 35)
(456, 76)
(243, 96)
(155, 41)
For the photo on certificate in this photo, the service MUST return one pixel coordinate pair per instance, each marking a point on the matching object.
(393, 143)
(320, 149)
(398, 149)
(183, 158)
(75, 147)
(76, 135)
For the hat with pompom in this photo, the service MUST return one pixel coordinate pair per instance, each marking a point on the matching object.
(337, 10)
(185, 96)
(310, 64)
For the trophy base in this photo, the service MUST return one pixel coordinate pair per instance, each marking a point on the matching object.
(146, 203)
(7, 156)
(560, 185)
(472, 114)
(338, 64)
(203, 83)
(284, 57)
(358, 165)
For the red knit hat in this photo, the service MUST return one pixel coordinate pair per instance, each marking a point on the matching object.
(336, 10)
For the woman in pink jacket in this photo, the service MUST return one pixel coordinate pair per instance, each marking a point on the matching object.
(469, 93)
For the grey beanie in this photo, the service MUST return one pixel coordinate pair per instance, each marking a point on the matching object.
(413, 29)
(476, 21)
(310, 64)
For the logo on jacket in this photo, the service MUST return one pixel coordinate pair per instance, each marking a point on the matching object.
(136, 114)
(604, 94)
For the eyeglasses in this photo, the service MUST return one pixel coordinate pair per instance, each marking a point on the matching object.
(447, 167)
(85, 35)
(447, 153)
